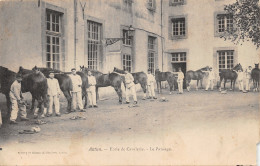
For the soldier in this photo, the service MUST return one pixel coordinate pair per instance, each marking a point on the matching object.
(150, 85)
(76, 91)
(92, 90)
(53, 93)
(130, 87)
(180, 81)
(17, 101)
(240, 76)
(211, 78)
(248, 78)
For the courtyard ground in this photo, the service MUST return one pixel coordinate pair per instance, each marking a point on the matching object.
(195, 128)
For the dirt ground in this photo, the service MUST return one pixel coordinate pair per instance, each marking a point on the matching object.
(195, 128)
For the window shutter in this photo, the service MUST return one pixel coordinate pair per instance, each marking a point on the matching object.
(170, 35)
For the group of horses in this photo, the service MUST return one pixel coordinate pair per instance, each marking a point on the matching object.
(36, 82)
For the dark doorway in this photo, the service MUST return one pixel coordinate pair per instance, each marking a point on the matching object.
(182, 65)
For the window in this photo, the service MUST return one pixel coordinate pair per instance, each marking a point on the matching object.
(53, 39)
(127, 40)
(178, 27)
(224, 22)
(127, 62)
(176, 2)
(179, 57)
(152, 49)
(225, 59)
(151, 5)
(94, 40)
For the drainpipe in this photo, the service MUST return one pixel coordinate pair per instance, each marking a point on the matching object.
(75, 33)
(162, 32)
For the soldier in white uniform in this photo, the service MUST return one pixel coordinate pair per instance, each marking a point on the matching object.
(180, 81)
(130, 87)
(17, 101)
(248, 78)
(76, 91)
(53, 93)
(240, 77)
(211, 77)
(91, 90)
(150, 85)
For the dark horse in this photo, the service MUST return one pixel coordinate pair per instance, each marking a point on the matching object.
(105, 80)
(170, 77)
(66, 83)
(195, 75)
(255, 74)
(7, 77)
(229, 74)
(139, 77)
(36, 84)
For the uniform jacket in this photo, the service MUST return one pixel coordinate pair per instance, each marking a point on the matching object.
(248, 73)
(92, 80)
(150, 79)
(180, 76)
(129, 80)
(53, 87)
(76, 83)
(15, 90)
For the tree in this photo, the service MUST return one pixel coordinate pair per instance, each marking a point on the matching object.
(246, 20)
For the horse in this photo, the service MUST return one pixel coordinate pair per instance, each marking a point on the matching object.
(170, 77)
(7, 77)
(195, 75)
(105, 80)
(229, 74)
(36, 84)
(255, 74)
(139, 77)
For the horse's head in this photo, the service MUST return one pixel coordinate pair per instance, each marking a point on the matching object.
(238, 67)
(257, 65)
(205, 68)
(82, 68)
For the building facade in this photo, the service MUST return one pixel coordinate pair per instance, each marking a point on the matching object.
(164, 34)
(66, 34)
(192, 33)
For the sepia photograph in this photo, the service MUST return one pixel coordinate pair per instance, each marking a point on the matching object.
(129, 82)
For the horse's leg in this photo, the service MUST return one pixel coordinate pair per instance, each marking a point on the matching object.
(188, 84)
(231, 81)
(225, 80)
(97, 95)
(8, 104)
(84, 95)
(33, 103)
(234, 84)
(201, 83)
(119, 93)
(69, 99)
(171, 84)
(197, 85)
(143, 85)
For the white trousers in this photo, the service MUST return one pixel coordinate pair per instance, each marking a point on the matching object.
(210, 83)
(15, 108)
(180, 86)
(76, 100)
(130, 91)
(240, 85)
(92, 95)
(248, 82)
(54, 100)
(150, 89)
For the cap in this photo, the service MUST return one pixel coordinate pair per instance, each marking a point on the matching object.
(73, 69)
(51, 71)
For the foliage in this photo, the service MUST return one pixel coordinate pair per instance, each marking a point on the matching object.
(246, 19)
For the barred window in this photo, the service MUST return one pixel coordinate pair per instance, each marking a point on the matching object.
(152, 50)
(53, 39)
(127, 62)
(224, 22)
(179, 57)
(94, 40)
(225, 59)
(127, 40)
(178, 27)
(176, 2)
(151, 5)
